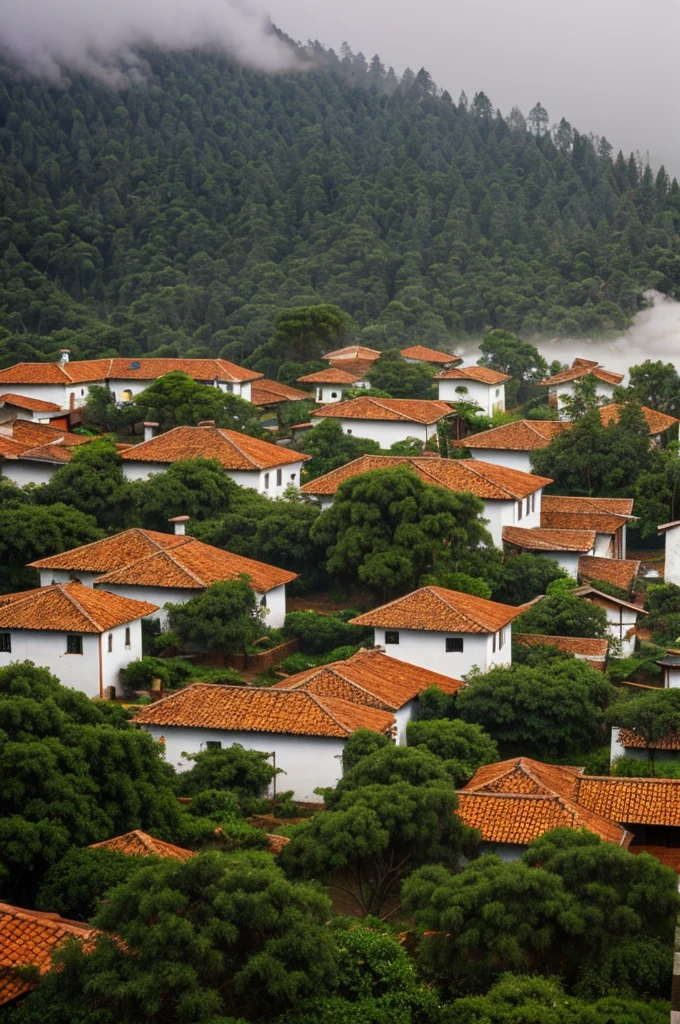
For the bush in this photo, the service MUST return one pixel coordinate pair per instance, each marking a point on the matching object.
(463, 746)
(317, 633)
(246, 772)
(360, 744)
(75, 884)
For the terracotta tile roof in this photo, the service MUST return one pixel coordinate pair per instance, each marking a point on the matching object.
(524, 775)
(519, 818)
(429, 355)
(580, 646)
(483, 479)
(540, 539)
(371, 678)
(614, 506)
(353, 352)
(520, 436)
(620, 572)
(359, 368)
(647, 801)
(69, 608)
(250, 709)
(483, 374)
(448, 611)
(10, 449)
(583, 368)
(34, 404)
(404, 410)
(140, 844)
(31, 435)
(270, 392)
(94, 370)
(111, 552)
(600, 522)
(276, 843)
(656, 421)
(31, 937)
(333, 375)
(233, 450)
(629, 738)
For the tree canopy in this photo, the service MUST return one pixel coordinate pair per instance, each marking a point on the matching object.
(225, 617)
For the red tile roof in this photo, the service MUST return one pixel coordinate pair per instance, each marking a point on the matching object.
(483, 479)
(234, 451)
(613, 506)
(34, 404)
(30, 937)
(647, 801)
(69, 608)
(520, 436)
(657, 422)
(257, 709)
(140, 844)
(629, 738)
(371, 678)
(429, 355)
(434, 608)
(583, 647)
(620, 572)
(359, 368)
(111, 552)
(353, 352)
(483, 374)
(404, 410)
(519, 818)
(334, 375)
(600, 522)
(540, 539)
(583, 368)
(95, 370)
(271, 392)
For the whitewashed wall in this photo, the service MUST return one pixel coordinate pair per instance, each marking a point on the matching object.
(276, 600)
(264, 481)
(47, 649)
(28, 471)
(605, 392)
(620, 620)
(123, 388)
(48, 576)
(328, 393)
(503, 457)
(56, 393)
(120, 655)
(672, 567)
(567, 560)
(427, 649)
(385, 432)
(489, 397)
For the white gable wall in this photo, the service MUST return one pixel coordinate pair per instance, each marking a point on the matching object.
(508, 513)
(427, 649)
(328, 393)
(47, 649)
(48, 576)
(620, 621)
(567, 560)
(121, 654)
(385, 432)
(503, 457)
(489, 397)
(605, 392)
(56, 393)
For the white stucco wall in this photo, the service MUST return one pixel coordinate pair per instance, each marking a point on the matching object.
(605, 392)
(489, 397)
(427, 649)
(28, 471)
(672, 567)
(507, 513)
(264, 481)
(119, 387)
(503, 457)
(121, 654)
(142, 470)
(567, 560)
(385, 432)
(308, 761)
(604, 545)
(56, 393)
(47, 649)
(620, 621)
(276, 600)
(329, 393)
(403, 716)
(273, 482)
(48, 576)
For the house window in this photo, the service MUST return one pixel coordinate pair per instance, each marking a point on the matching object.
(454, 645)
(519, 509)
(293, 475)
(74, 644)
(493, 644)
(110, 645)
(127, 636)
(501, 639)
(263, 601)
(528, 506)
(279, 477)
(391, 636)
(533, 502)
(213, 744)
(6, 643)
(349, 431)
(266, 481)
(229, 388)
(334, 394)
(498, 391)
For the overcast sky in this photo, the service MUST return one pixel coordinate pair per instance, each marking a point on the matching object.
(608, 67)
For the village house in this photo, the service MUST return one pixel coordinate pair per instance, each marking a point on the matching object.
(444, 630)
(629, 743)
(141, 844)
(387, 420)
(84, 637)
(657, 422)
(478, 384)
(512, 444)
(562, 546)
(561, 385)
(18, 407)
(329, 384)
(671, 537)
(31, 453)
(594, 652)
(607, 517)
(509, 496)
(618, 572)
(304, 735)
(622, 617)
(66, 383)
(164, 569)
(266, 394)
(670, 666)
(422, 354)
(351, 353)
(266, 467)
(373, 678)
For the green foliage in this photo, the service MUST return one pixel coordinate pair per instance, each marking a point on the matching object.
(173, 673)
(93, 483)
(609, 588)
(634, 768)
(562, 614)
(177, 400)
(653, 715)
(360, 744)
(409, 446)
(318, 633)
(247, 773)
(199, 488)
(401, 379)
(74, 886)
(513, 578)
(330, 448)
(386, 528)
(305, 333)
(505, 352)
(538, 713)
(656, 385)
(385, 766)
(463, 747)
(459, 581)
(433, 703)
(224, 617)
(29, 532)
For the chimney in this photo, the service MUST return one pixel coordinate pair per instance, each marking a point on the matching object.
(64, 353)
(148, 430)
(180, 524)
(207, 423)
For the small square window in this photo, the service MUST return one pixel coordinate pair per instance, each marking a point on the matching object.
(110, 642)
(279, 477)
(498, 391)
(74, 644)
(213, 745)
(334, 394)
(454, 645)
(6, 643)
(127, 636)
(349, 431)
(392, 636)
(501, 639)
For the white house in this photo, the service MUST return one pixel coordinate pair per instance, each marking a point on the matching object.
(372, 678)
(351, 353)
(268, 468)
(478, 384)
(628, 743)
(164, 569)
(386, 420)
(422, 354)
(512, 444)
(671, 536)
(18, 407)
(608, 517)
(67, 382)
(444, 630)
(82, 636)
(304, 735)
(618, 572)
(509, 496)
(670, 665)
(562, 546)
(622, 616)
(31, 452)
(330, 384)
(561, 385)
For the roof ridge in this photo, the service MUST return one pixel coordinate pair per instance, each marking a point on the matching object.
(381, 405)
(469, 464)
(74, 601)
(465, 615)
(327, 711)
(221, 430)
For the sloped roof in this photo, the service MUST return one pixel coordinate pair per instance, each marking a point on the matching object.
(620, 572)
(520, 436)
(233, 450)
(333, 375)
(31, 435)
(587, 590)
(525, 775)
(258, 709)
(359, 368)
(141, 844)
(271, 392)
(583, 647)
(434, 608)
(540, 539)
(371, 678)
(69, 608)
(34, 404)
(92, 370)
(30, 937)
(519, 818)
(111, 552)
(630, 738)
(612, 506)
(657, 422)
(583, 368)
(404, 410)
(429, 355)
(483, 479)
(647, 801)
(353, 352)
(483, 374)
(600, 522)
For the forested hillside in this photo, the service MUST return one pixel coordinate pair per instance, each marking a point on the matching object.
(182, 214)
